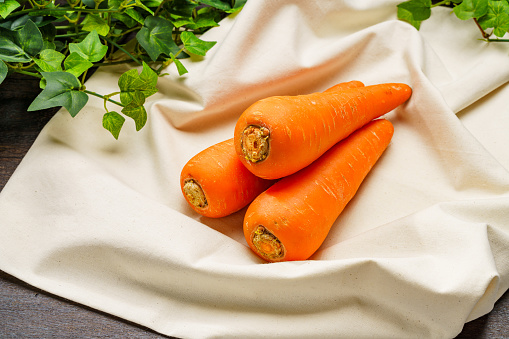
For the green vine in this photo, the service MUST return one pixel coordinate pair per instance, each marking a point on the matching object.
(61, 41)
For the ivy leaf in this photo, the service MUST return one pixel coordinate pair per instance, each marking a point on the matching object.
(76, 64)
(94, 22)
(180, 67)
(205, 18)
(221, 5)
(134, 89)
(180, 9)
(125, 19)
(469, 9)
(62, 89)
(156, 37)
(90, 48)
(419, 10)
(407, 16)
(131, 85)
(135, 15)
(194, 44)
(11, 52)
(3, 71)
(30, 38)
(48, 35)
(7, 6)
(141, 5)
(50, 60)
(138, 114)
(113, 122)
(239, 4)
(497, 17)
(153, 3)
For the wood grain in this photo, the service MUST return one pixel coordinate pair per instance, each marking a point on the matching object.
(28, 312)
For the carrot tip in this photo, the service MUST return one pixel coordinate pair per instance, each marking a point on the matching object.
(195, 194)
(267, 245)
(255, 143)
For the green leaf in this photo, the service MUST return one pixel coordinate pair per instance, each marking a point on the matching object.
(194, 44)
(153, 3)
(497, 17)
(130, 83)
(50, 60)
(62, 89)
(132, 98)
(219, 4)
(134, 88)
(180, 67)
(48, 32)
(90, 48)
(141, 5)
(469, 9)
(11, 52)
(113, 122)
(3, 71)
(405, 15)
(76, 64)
(135, 15)
(30, 38)
(156, 37)
(138, 114)
(204, 19)
(420, 10)
(125, 19)
(94, 22)
(239, 4)
(181, 8)
(7, 6)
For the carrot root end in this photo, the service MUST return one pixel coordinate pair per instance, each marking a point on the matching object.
(267, 244)
(255, 143)
(195, 194)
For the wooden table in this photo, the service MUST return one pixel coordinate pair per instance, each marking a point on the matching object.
(28, 312)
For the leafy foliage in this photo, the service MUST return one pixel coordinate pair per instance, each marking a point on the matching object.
(491, 16)
(59, 41)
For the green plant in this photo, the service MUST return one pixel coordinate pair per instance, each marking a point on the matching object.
(59, 41)
(490, 16)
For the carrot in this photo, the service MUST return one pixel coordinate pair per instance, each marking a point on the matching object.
(291, 219)
(345, 85)
(278, 136)
(215, 183)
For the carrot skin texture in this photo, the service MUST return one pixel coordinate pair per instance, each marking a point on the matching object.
(345, 85)
(300, 209)
(301, 128)
(227, 185)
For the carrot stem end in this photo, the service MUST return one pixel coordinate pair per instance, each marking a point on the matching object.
(195, 194)
(255, 143)
(267, 244)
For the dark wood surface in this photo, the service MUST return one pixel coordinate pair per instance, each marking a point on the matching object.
(28, 312)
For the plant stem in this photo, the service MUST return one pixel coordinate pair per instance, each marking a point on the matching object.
(440, 3)
(103, 97)
(37, 75)
(70, 35)
(159, 7)
(46, 11)
(484, 34)
(122, 49)
(497, 40)
(113, 63)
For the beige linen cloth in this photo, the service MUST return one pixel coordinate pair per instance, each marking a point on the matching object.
(420, 250)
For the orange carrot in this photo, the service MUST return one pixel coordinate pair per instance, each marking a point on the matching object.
(345, 85)
(291, 219)
(278, 136)
(215, 183)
